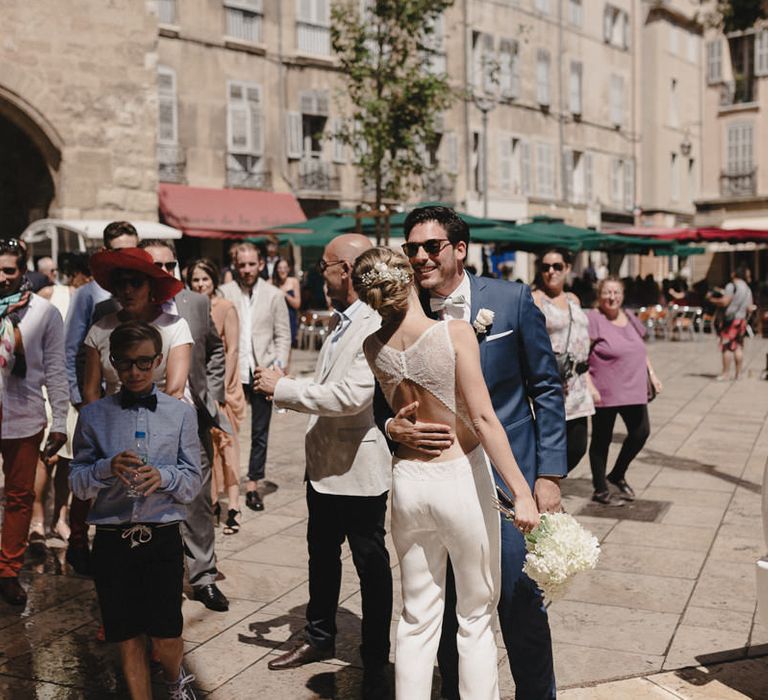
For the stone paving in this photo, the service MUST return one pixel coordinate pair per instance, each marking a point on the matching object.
(669, 613)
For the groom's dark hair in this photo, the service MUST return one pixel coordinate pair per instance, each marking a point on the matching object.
(454, 225)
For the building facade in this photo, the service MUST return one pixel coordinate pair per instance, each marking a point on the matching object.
(585, 110)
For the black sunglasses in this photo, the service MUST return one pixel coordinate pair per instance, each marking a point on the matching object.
(431, 247)
(557, 267)
(168, 266)
(143, 363)
(323, 265)
(9, 271)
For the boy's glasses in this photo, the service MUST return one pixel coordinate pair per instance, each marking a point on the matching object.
(557, 267)
(431, 247)
(123, 364)
(167, 266)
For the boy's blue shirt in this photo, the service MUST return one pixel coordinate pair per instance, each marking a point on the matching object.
(104, 429)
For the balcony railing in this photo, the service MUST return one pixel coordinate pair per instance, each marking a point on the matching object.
(249, 181)
(318, 176)
(739, 91)
(439, 187)
(741, 183)
(313, 39)
(171, 163)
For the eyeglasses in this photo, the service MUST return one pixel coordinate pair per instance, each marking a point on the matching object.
(323, 265)
(168, 266)
(135, 282)
(431, 247)
(142, 363)
(9, 271)
(557, 267)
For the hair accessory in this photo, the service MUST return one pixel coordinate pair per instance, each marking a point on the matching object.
(381, 272)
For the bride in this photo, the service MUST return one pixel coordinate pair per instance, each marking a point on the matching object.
(440, 506)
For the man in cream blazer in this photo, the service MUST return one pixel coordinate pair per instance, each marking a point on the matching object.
(265, 341)
(348, 472)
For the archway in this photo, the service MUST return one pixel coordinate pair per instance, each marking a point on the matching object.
(26, 186)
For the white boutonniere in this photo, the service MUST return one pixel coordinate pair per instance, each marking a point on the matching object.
(483, 321)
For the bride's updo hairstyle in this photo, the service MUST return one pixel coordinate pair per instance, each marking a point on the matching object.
(382, 279)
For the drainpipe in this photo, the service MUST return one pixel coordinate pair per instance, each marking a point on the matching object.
(467, 82)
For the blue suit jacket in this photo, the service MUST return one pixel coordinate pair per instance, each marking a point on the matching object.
(521, 374)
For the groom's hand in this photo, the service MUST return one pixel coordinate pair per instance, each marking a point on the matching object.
(546, 491)
(428, 438)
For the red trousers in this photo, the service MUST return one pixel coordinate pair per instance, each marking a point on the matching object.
(19, 465)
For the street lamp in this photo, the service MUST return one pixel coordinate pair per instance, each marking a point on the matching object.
(485, 104)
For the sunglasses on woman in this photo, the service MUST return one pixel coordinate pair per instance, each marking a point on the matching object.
(143, 363)
(433, 246)
(130, 281)
(557, 267)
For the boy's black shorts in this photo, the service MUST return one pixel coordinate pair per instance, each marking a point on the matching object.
(140, 586)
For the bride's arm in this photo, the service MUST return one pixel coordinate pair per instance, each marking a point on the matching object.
(471, 384)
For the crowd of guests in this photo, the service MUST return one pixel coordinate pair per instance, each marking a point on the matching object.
(129, 387)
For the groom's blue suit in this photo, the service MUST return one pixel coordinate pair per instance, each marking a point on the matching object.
(521, 374)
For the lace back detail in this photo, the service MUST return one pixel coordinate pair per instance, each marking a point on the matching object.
(429, 363)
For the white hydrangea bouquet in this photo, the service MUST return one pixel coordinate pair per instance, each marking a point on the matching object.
(557, 549)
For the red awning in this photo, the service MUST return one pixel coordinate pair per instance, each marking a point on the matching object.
(205, 212)
(696, 235)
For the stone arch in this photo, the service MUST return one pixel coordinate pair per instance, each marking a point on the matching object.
(32, 151)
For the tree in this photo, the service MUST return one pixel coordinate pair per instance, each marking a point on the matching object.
(735, 15)
(392, 98)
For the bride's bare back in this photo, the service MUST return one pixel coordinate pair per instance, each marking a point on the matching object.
(421, 366)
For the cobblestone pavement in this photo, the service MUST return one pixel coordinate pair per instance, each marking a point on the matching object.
(669, 613)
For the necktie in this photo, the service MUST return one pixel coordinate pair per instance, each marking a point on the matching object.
(441, 303)
(129, 400)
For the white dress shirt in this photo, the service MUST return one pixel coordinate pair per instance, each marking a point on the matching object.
(247, 363)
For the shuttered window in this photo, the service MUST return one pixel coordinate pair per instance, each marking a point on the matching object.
(761, 52)
(167, 108)
(574, 88)
(542, 77)
(714, 61)
(740, 148)
(245, 123)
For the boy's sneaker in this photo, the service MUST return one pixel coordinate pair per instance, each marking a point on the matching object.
(182, 688)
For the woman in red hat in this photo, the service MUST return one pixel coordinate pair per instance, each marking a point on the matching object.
(141, 288)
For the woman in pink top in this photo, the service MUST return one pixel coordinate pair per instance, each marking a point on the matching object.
(618, 367)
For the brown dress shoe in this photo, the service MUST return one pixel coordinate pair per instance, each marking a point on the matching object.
(302, 654)
(12, 592)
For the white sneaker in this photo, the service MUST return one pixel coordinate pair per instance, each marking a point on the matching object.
(182, 688)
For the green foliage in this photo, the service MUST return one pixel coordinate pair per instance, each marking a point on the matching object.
(735, 15)
(390, 96)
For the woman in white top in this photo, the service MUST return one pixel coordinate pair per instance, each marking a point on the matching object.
(444, 505)
(141, 288)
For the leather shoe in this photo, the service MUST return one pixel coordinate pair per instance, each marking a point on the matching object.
(79, 558)
(303, 653)
(210, 596)
(625, 490)
(254, 500)
(12, 592)
(606, 499)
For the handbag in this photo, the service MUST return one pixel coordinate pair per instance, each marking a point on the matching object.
(650, 389)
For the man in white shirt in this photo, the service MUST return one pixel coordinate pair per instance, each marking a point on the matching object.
(348, 476)
(24, 418)
(265, 341)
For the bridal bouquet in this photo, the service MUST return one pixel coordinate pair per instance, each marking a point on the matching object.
(557, 549)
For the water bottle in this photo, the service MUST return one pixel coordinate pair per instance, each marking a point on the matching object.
(140, 448)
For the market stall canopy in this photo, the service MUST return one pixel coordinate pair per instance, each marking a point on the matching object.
(709, 234)
(206, 212)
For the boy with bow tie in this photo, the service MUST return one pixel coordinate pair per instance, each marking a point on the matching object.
(138, 556)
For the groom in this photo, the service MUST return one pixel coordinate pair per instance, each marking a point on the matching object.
(521, 374)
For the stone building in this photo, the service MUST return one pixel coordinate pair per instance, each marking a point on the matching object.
(78, 111)
(583, 110)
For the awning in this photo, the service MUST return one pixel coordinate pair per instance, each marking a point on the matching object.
(206, 212)
(756, 222)
(92, 229)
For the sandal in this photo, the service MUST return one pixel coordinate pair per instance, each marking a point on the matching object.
(231, 526)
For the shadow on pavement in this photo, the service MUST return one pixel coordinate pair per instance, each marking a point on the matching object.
(745, 676)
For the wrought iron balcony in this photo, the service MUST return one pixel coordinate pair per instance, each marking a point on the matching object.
(242, 179)
(318, 176)
(171, 163)
(739, 91)
(439, 187)
(741, 183)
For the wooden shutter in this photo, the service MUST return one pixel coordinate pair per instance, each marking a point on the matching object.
(450, 146)
(505, 162)
(589, 192)
(761, 52)
(525, 167)
(167, 116)
(568, 168)
(294, 135)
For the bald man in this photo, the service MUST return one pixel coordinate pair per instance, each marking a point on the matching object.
(348, 468)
